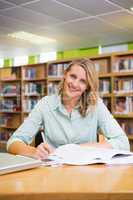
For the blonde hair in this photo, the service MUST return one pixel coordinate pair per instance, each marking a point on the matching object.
(90, 96)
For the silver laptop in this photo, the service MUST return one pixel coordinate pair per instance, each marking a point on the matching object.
(12, 163)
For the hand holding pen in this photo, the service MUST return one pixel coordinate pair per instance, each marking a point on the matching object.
(44, 149)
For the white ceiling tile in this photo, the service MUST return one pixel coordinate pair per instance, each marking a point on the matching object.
(28, 16)
(116, 38)
(14, 25)
(5, 5)
(123, 3)
(120, 19)
(94, 7)
(19, 2)
(54, 9)
(92, 25)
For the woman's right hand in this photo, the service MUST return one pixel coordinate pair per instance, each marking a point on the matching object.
(43, 150)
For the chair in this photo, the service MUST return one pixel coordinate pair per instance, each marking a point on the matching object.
(38, 139)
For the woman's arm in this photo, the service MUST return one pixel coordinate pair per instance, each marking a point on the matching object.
(19, 142)
(41, 152)
(112, 131)
(19, 147)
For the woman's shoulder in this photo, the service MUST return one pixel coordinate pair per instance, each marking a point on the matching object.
(99, 101)
(101, 107)
(100, 104)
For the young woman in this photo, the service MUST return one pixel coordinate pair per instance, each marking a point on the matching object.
(74, 115)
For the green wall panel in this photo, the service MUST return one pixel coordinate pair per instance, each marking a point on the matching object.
(8, 62)
(33, 59)
(130, 46)
(88, 52)
(77, 53)
(60, 55)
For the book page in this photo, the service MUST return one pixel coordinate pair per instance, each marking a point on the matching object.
(82, 155)
(121, 160)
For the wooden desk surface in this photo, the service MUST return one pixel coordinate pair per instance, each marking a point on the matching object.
(93, 182)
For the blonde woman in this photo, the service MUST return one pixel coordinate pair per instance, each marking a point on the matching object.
(74, 115)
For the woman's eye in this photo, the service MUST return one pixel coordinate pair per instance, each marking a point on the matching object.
(83, 82)
(72, 76)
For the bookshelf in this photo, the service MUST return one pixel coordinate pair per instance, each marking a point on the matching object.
(22, 87)
(34, 86)
(122, 76)
(103, 66)
(10, 102)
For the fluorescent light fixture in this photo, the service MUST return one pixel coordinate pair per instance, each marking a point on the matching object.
(20, 60)
(45, 57)
(35, 39)
(1, 62)
(113, 48)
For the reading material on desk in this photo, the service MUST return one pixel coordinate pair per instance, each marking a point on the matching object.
(11, 163)
(73, 154)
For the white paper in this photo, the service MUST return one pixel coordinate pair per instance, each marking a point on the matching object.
(121, 160)
(74, 154)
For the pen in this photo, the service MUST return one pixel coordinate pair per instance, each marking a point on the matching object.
(43, 138)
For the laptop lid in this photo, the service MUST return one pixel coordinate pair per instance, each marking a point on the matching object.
(12, 163)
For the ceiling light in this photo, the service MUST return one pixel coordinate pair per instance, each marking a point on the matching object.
(35, 39)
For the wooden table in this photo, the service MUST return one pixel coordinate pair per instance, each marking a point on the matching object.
(93, 182)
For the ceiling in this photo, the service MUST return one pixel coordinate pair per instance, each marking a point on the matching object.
(72, 23)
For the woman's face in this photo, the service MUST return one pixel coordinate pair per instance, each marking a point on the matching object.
(75, 82)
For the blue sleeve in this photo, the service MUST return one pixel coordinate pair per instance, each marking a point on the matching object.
(110, 128)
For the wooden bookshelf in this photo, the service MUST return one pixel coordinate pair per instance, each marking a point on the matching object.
(34, 86)
(19, 85)
(10, 102)
(115, 73)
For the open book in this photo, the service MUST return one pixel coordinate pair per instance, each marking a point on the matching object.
(74, 154)
(12, 163)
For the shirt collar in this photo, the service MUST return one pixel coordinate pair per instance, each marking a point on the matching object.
(58, 104)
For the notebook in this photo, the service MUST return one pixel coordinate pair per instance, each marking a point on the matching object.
(12, 163)
(73, 154)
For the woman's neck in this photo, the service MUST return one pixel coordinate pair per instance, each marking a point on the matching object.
(69, 103)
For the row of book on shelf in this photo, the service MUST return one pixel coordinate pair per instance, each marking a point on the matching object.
(10, 89)
(124, 105)
(5, 120)
(123, 85)
(127, 126)
(123, 64)
(29, 73)
(29, 104)
(57, 70)
(5, 135)
(104, 86)
(34, 89)
(11, 105)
